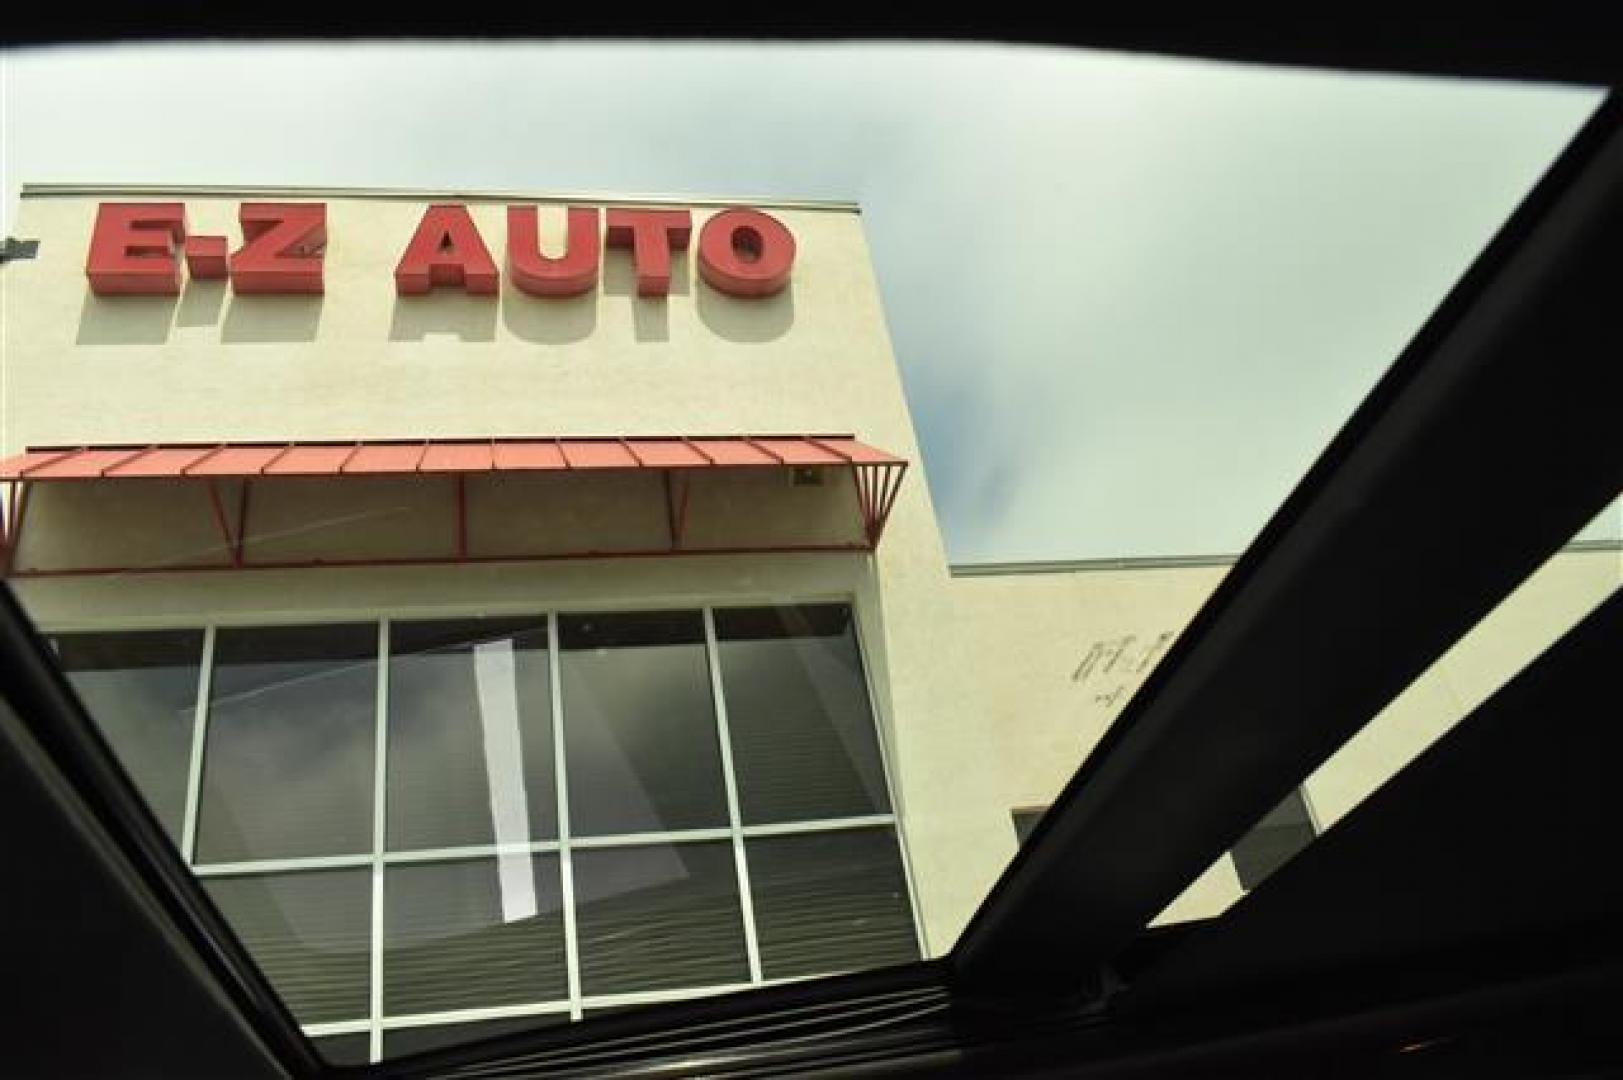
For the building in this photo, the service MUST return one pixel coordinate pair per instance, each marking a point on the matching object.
(509, 623)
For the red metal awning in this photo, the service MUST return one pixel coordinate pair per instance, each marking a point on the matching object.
(875, 475)
(439, 455)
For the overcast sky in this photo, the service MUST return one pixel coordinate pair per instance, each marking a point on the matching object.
(1132, 298)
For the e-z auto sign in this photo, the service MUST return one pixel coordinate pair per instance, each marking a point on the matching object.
(140, 248)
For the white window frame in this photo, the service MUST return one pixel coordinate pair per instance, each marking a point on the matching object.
(379, 858)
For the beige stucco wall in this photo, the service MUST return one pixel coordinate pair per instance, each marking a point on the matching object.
(990, 689)
(1058, 654)
(361, 362)
(1553, 599)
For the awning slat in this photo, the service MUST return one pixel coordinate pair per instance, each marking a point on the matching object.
(596, 454)
(237, 461)
(87, 464)
(529, 454)
(14, 468)
(386, 458)
(799, 452)
(857, 453)
(667, 454)
(458, 457)
(733, 452)
(161, 461)
(311, 460)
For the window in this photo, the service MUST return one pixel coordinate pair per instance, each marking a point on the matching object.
(141, 691)
(641, 723)
(470, 728)
(472, 933)
(658, 917)
(309, 932)
(288, 750)
(425, 831)
(1025, 821)
(830, 899)
(797, 706)
(1273, 841)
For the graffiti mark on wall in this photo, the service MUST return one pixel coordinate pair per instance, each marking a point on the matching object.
(1111, 668)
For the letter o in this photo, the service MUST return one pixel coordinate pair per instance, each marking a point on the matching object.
(745, 253)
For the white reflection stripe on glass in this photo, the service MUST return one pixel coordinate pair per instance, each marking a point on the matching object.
(380, 837)
(542, 847)
(331, 671)
(825, 825)
(466, 1016)
(471, 851)
(746, 897)
(338, 1027)
(272, 866)
(194, 767)
(654, 997)
(560, 781)
(497, 686)
(650, 838)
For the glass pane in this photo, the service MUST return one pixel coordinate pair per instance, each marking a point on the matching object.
(415, 1040)
(639, 724)
(310, 933)
(1274, 841)
(141, 690)
(344, 1049)
(470, 734)
(1025, 823)
(1290, 813)
(287, 764)
(829, 902)
(657, 917)
(473, 933)
(804, 743)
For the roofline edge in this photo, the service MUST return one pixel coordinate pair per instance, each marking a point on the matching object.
(1176, 562)
(67, 189)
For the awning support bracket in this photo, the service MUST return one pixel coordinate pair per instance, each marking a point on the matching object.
(461, 517)
(676, 506)
(16, 507)
(240, 552)
(877, 487)
(232, 543)
(235, 541)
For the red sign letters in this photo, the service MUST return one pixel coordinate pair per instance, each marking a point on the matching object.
(137, 248)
